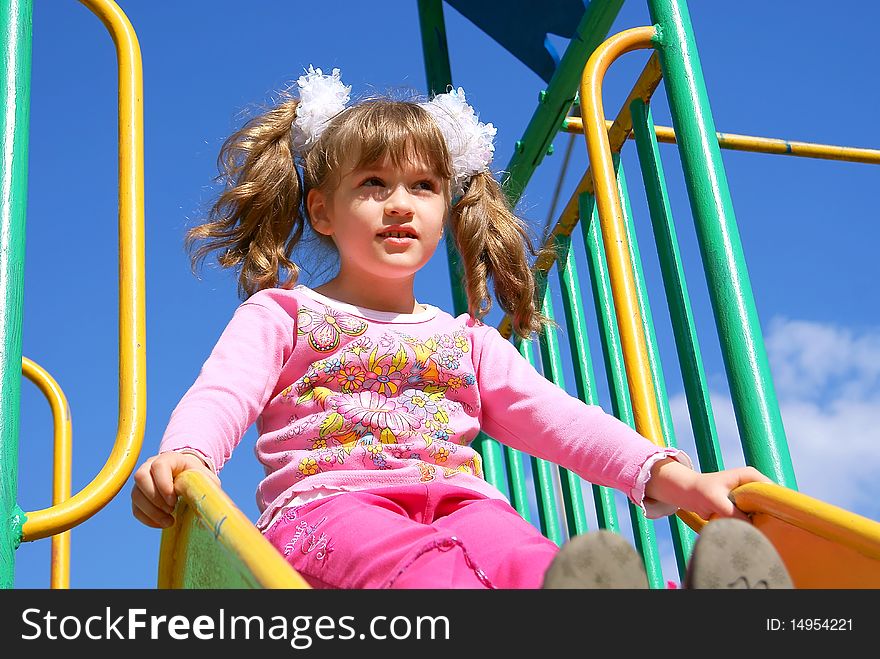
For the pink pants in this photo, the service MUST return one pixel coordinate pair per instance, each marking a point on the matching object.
(413, 536)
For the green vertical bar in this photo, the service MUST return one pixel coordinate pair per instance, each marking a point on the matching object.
(439, 75)
(555, 101)
(434, 46)
(545, 475)
(493, 461)
(572, 492)
(516, 476)
(686, 342)
(15, 78)
(603, 497)
(643, 528)
(682, 536)
(745, 358)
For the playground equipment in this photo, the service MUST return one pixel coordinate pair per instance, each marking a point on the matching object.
(213, 543)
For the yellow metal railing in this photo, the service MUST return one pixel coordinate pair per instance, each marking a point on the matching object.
(823, 546)
(132, 307)
(203, 504)
(63, 456)
(614, 234)
(773, 145)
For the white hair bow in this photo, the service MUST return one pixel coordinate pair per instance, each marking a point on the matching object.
(470, 142)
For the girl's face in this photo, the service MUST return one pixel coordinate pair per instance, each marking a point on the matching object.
(386, 221)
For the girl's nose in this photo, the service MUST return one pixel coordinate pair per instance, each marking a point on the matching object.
(399, 202)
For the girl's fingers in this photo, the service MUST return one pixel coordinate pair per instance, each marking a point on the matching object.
(153, 524)
(738, 514)
(750, 475)
(145, 511)
(144, 484)
(163, 477)
(153, 497)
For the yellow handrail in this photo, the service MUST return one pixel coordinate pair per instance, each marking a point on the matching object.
(629, 317)
(822, 519)
(614, 235)
(63, 450)
(203, 501)
(132, 307)
(755, 144)
(823, 546)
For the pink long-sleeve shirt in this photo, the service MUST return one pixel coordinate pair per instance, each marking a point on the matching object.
(346, 398)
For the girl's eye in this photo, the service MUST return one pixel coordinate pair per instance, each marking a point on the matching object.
(373, 180)
(426, 185)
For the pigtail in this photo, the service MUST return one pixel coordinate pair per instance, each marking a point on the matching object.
(257, 220)
(494, 243)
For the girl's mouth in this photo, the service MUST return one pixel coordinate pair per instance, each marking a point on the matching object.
(398, 236)
(396, 239)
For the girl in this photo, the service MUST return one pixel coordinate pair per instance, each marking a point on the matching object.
(365, 400)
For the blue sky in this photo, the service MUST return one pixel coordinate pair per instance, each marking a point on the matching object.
(809, 228)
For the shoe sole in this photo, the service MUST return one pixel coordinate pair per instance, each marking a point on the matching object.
(733, 554)
(599, 559)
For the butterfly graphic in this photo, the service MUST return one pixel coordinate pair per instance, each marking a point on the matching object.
(324, 328)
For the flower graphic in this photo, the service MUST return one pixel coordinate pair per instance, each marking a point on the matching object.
(308, 466)
(332, 366)
(441, 455)
(462, 343)
(351, 378)
(384, 379)
(377, 412)
(455, 382)
(419, 403)
(448, 359)
(324, 328)
(306, 382)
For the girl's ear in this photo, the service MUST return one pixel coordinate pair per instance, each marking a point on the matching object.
(316, 204)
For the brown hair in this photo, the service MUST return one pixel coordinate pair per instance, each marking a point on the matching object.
(260, 216)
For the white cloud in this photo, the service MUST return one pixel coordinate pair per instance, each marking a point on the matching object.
(827, 382)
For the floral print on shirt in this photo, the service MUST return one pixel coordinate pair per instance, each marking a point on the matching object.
(381, 400)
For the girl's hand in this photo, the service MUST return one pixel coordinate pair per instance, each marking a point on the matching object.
(153, 497)
(707, 495)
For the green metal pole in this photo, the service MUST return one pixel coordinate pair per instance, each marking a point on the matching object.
(615, 372)
(551, 360)
(516, 476)
(546, 478)
(15, 79)
(695, 384)
(554, 102)
(682, 536)
(439, 75)
(582, 363)
(748, 372)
